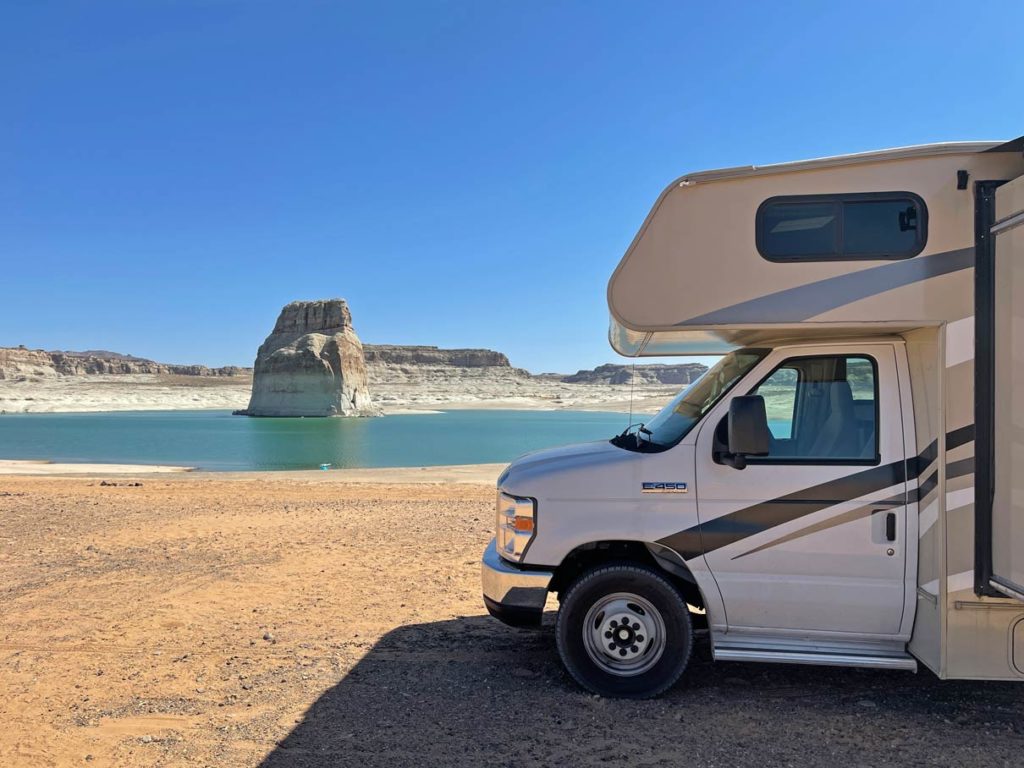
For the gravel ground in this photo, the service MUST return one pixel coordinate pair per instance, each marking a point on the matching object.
(280, 621)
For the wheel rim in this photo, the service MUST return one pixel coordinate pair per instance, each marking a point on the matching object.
(624, 634)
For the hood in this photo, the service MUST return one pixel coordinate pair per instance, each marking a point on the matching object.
(527, 475)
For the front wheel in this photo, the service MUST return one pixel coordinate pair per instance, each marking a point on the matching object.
(624, 631)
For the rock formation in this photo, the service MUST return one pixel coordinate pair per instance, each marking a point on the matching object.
(650, 373)
(311, 364)
(16, 363)
(393, 364)
(19, 362)
(397, 355)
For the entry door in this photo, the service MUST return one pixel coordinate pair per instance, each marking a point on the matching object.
(1008, 396)
(812, 537)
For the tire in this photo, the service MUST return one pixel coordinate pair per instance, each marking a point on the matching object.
(624, 631)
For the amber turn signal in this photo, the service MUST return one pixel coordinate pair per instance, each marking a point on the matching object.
(523, 524)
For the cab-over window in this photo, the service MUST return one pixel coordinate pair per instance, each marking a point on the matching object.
(843, 227)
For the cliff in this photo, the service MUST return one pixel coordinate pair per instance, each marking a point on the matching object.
(311, 364)
(401, 378)
(19, 362)
(391, 364)
(385, 364)
(396, 355)
(652, 373)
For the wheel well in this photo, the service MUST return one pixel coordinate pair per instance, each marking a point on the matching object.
(591, 555)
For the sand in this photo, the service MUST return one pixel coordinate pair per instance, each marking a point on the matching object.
(464, 473)
(28, 467)
(334, 619)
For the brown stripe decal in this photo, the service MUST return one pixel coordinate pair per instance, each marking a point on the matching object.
(738, 525)
(959, 437)
(735, 526)
(794, 305)
(832, 522)
(960, 468)
(926, 486)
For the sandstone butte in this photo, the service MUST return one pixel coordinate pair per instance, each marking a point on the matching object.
(311, 364)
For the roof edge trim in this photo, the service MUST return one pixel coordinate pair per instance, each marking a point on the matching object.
(897, 153)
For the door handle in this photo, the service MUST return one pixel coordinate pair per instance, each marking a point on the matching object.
(890, 527)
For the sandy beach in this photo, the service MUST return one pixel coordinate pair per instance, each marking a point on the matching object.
(334, 619)
(49, 468)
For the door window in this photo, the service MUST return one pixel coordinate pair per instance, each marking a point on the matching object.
(779, 392)
(822, 409)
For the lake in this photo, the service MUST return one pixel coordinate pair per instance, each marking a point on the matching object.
(216, 440)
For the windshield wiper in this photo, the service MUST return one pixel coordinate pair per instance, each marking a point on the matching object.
(637, 440)
(625, 432)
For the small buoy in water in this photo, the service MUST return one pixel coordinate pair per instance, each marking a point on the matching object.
(325, 467)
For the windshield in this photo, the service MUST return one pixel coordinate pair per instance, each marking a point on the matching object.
(677, 418)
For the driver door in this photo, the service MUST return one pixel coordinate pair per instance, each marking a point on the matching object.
(811, 537)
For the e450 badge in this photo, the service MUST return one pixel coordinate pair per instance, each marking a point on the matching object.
(663, 487)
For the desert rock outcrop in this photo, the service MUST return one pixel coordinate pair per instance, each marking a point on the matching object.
(656, 373)
(311, 364)
(21, 363)
(389, 364)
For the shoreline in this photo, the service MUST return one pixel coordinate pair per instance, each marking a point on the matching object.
(44, 468)
(485, 473)
(641, 405)
(100, 393)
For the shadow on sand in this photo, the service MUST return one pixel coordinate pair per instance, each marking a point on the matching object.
(473, 692)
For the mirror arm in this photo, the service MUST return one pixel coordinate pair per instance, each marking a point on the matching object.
(734, 460)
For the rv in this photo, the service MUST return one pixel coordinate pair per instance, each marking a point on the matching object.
(845, 486)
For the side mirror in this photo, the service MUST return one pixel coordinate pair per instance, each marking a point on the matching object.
(748, 433)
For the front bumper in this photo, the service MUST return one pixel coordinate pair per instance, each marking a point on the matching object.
(512, 594)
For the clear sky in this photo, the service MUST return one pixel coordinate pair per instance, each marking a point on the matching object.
(464, 173)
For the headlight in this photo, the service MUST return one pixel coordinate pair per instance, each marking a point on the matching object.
(516, 525)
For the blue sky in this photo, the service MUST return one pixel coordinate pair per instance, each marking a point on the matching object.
(464, 173)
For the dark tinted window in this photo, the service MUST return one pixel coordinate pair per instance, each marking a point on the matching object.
(801, 229)
(839, 227)
(883, 226)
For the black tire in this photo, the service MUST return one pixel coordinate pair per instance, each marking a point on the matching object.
(597, 585)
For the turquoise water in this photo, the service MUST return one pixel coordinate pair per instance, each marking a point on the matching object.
(216, 440)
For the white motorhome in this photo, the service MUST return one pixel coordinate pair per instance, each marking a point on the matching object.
(846, 485)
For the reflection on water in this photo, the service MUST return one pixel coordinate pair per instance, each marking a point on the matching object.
(303, 443)
(218, 440)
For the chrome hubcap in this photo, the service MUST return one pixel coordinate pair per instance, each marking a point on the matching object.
(624, 634)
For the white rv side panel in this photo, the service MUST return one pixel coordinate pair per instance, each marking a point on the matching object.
(926, 388)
